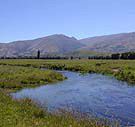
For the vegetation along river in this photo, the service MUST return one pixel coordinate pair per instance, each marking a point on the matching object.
(95, 94)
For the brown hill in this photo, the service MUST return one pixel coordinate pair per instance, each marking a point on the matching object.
(61, 44)
(50, 44)
(123, 42)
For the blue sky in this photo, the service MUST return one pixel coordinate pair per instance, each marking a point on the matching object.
(28, 19)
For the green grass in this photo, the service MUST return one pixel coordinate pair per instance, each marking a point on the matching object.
(24, 114)
(16, 77)
(121, 69)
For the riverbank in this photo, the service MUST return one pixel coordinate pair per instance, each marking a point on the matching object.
(121, 69)
(16, 77)
(24, 113)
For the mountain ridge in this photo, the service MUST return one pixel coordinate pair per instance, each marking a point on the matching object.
(62, 44)
(57, 43)
(122, 42)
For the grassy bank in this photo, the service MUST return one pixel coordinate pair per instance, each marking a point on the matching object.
(121, 69)
(24, 113)
(16, 77)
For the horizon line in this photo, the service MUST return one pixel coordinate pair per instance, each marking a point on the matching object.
(67, 36)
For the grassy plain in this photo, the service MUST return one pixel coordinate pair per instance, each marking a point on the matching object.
(121, 69)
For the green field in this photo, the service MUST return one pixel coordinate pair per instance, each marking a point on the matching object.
(121, 69)
(16, 77)
(18, 74)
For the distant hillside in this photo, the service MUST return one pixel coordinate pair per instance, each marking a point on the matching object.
(60, 44)
(110, 43)
(86, 53)
(50, 44)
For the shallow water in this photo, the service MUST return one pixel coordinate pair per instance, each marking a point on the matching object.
(95, 94)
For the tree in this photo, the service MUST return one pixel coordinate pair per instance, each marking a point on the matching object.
(38, 54)
(71, 57)
(124, 55)
(131, 55)
(116, 56)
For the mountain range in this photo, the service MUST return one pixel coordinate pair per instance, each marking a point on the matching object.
(123, 42)
(61, 44)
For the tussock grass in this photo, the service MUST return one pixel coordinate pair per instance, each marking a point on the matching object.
(17, 77)
(24, 113)
(121, 69)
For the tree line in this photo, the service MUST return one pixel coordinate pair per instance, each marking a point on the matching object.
(126, 55)
(116, 56)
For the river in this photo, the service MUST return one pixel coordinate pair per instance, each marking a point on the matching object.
(94, 94)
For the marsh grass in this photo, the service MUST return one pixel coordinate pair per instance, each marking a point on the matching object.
(23, 113)
(17, 77)
(121, 69)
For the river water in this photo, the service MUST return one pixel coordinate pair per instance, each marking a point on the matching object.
(94, 94)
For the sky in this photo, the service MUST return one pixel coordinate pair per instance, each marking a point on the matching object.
(29, 19)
